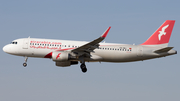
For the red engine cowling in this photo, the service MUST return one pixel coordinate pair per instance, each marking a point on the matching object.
(60, 56)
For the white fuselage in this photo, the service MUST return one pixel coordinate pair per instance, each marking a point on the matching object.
(106, 52)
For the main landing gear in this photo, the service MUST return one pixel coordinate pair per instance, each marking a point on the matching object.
(83, 68)
(25, 63)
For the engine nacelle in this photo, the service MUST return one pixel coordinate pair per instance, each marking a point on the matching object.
(60, 56)
(66, 63)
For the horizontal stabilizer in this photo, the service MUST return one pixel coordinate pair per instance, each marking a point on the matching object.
(166, 49)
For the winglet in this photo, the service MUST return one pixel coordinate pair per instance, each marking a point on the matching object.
(106, 32)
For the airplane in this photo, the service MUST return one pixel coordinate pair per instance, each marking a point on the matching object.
(66, 53)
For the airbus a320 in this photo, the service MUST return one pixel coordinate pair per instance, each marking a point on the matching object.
(66, 53)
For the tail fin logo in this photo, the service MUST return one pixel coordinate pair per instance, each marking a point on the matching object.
(162, 32)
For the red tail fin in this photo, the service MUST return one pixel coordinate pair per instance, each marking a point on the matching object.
(162, 34)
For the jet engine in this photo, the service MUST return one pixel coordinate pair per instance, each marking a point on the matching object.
(60, 56)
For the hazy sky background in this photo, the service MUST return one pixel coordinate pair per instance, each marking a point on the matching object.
(132, 21)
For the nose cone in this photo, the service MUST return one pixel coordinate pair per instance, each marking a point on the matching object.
(6, 49)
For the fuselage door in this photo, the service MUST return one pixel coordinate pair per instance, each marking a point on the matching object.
(25, 43)
(140, 51)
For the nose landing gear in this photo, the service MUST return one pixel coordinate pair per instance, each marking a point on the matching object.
(25, 63)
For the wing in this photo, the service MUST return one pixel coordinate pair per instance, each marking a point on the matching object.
(89, 47)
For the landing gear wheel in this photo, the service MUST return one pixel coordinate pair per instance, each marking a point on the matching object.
(24, 64)
(83, 67)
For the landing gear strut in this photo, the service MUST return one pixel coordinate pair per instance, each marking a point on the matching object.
(25, 63)
(83, 68)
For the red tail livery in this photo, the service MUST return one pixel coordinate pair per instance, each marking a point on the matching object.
(162, 34)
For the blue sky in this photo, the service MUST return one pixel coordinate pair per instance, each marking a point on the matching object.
(131, 22)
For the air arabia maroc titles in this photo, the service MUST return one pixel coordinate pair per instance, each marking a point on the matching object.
(66, 53)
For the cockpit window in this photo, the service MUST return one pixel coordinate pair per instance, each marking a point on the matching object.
(13, 42)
